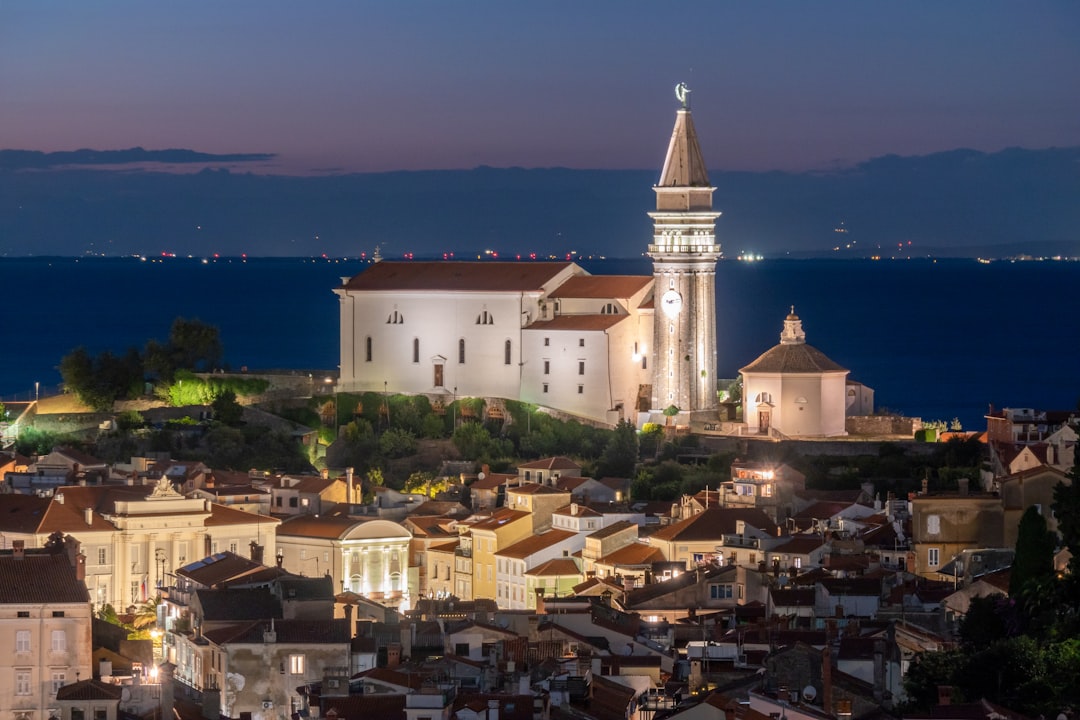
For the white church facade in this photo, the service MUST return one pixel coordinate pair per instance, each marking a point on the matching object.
(604, 348)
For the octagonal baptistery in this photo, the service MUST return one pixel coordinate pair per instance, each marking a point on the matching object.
(793, 389)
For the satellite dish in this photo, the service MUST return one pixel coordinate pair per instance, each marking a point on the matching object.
(809, 693)
(481, 475)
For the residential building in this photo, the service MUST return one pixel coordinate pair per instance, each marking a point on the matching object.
(45, 621)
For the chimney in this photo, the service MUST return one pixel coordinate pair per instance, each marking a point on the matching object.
(270, 634)
(256, 552)
(18, 549)
(349, 621)
(349, 482)
(493, 710)
(826, 679)
(80, 567)
(59, 498)
(393, 655)
(879, 670)
(88, 515)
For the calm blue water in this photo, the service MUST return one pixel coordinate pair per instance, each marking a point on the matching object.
(934, 340)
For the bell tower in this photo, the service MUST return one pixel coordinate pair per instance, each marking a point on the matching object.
(684, 253)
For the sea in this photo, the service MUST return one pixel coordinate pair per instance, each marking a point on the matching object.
(935, 339)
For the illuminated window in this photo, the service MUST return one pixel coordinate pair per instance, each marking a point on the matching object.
(296, 664)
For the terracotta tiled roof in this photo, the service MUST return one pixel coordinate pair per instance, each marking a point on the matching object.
(577, 510)
(799, 545)
(500, 518)
(287, 631)
(612, 529)
(22, 514)
(555, 567)
(85, 460)
(586, 323)
(40, 577)
(446, 547)
(224, 515)
(794, 358)
(536, 489)
(457, 276)
(312, 526)
(633, 554)
(715, 522)
(534, 544)
(89, 690)
(492, 481)
(602, 286)
(558, 462)
(216, 569)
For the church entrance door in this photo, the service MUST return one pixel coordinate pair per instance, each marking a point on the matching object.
(438, 376)
(763, 419)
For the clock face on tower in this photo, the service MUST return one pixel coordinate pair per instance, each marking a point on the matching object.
(671, 303)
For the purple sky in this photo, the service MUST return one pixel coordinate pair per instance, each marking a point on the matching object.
(405, 84)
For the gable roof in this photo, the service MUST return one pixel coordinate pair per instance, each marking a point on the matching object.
(563, 567)
(558, 462)
(40, 577)
(457, 276)
(601, 286)
(715, 522)
(585, 323)
(532, 544)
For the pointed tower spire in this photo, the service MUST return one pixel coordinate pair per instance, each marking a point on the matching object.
(684, 252)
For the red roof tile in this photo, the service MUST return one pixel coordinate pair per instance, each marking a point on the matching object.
(457, 276)
(602, 286)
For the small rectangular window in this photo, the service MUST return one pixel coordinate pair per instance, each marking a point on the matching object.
(101, 556)
(547, 367)
(547, 342)
(581, 367)
(58, 613)
(581, 342)
(23, 613)
(296, 664)
(545, 387)
(580, 389)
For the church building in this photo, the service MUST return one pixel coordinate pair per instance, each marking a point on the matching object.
(600, 347)
(549, 332)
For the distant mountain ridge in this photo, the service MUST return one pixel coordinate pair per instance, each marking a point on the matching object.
(957, 203)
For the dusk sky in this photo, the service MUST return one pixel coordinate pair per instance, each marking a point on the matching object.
(373, 86)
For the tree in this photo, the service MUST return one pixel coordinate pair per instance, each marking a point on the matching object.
(621, 454)
(1034, 558)
(396, 443)
(194, 345)
(226, 409)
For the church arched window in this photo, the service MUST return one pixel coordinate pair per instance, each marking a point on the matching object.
(416, 350)
(485, 318)
(506, 352)
(395, 318)
(763, 398)
(609, 309)
(367, 349)
(461, 351)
